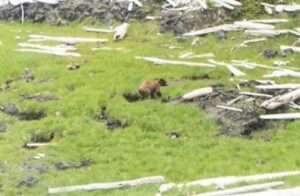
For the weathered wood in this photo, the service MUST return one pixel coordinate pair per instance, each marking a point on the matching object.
(292, 48)
(98, 30)
(68, 40)
(235, 71)
(173, 62)
(56, 53)
(244, 189)
(197, 93)
(282, 192)
(256, 94)
(228, 181)
(287, 116)
(108, 186)
(253, 25)
(37, 145)
(266, 32)
(283, 73)
(245, 43)
(278, 86)
(225, 27)
(281, 100)
(121, 31)
(270, 21)
(61, 48)
(229, 108)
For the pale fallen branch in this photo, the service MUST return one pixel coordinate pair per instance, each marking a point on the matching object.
(228, 181)
(197, 93)
(56, 53)
(98, 30)
(281, 100)
(278, 86)
(282, 192)
(108, 186)
(256, 94)
(283, 73)
(60, 48)
(173, 62)
(37, 145)
(229, 108)
(68, 40)
(288, 116)
(270, 21)
(251, 41)
(244, 189)
(235, 71)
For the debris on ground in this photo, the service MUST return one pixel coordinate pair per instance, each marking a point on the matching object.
(28, 181)
(110, 122)
(64, 165)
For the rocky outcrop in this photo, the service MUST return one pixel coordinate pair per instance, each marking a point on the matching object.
(77, 10)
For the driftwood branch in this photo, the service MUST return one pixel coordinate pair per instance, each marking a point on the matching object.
(108, 186)
(68, 40)
(281, 100)
(244, 189)
(283, 192)
(288, 116)
(197, 93)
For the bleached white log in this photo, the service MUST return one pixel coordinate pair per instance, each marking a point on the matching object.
(61, 48)
(283, 73)
(197, 93)
(56, 53)
(37, 145)
(191, 55)
(98, 30)
(233, 101)
(108, 186)
(244, 189)
(245, 43)
(173, 62)
(266, 32)
(281, 100)
(19, 2)
(235, 71)
(282, 192)
(270, 21)
(278, 86)
(256, 94)
(121, 31)
(68, 40)
(253, 25)
(225, 27)
(224, 4)
(229, 108)
(230, 180)
(292, 48)
(288, 116)
(110, 49)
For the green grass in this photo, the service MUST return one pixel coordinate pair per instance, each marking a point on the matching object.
(142, 149)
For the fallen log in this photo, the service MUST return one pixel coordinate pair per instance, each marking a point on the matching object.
(173, 62)
(256, 94)
(292, 48)
(49, 48)
(227, 181)
(56, 53)
(283, 73)
(68, 40)
(281, 100)
(121, 31)
(282, 192)
(108, 186)
(37, 145)
(98, 30)
(278, 86)
(244, 189)
(229, 108)
(245, 43)
(225, 27)
(288, 116)
(235, 71)
(270, 21)
(253, 25)
(197, 93)
(266, 32)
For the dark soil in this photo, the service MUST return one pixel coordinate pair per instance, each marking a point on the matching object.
(40, 97)
(28, 181)
(40, 138)
(111, 123)
(3, 127)
(132, 97)
(29, 115)
(64, 165)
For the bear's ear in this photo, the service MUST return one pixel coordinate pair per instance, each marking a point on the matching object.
(163, 82)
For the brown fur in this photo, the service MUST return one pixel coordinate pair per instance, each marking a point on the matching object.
(151, 88)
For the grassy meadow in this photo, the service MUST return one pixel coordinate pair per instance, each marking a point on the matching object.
(141, 149)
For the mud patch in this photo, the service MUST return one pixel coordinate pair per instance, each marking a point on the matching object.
(111, 123)
(29, 115)
(132, 97)
(3, 127)
(64, 165)
(197, 77)
(40, 97)
(39, 138)
(28, 181)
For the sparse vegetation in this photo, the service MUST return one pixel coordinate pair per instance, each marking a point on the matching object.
(143, 148)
